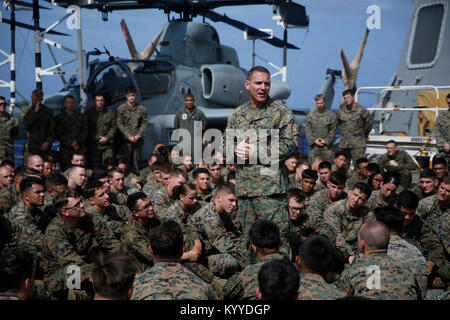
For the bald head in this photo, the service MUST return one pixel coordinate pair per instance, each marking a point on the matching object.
(375, 235)
(35, 162)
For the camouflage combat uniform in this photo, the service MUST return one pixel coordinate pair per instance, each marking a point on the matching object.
(354, 179)
(131, 121)
(40, 128)
(145, 175)
(65, 246)
(420, 234)
(33, 227)
(176, 213)
(136, 238)
(377, 200)
(100, 123)
(206, 197)
(411, 258)
(242, 286)
(355, 125)
(442, 227)
(320, 125)
(441, 132)
(150, 187)
(320, 185)
(313, 287)
(396, 282)
(261, 191)
(347, 226)
(405, 165)
(430, 211)
(307, 225)
(319, 203)
(9, 127)
(185, 120)
(170, 281)
(9, 197)
(116, 217)
(222, 240)
(70, 128)
(118, 198)
(161, 201)
(418, 191)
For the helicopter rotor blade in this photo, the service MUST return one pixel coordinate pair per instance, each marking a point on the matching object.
(245, 27)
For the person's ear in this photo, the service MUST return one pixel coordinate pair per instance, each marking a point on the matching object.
(150, 249)
(253, 248)
(298, 262)
(129, 293)
(258, 293)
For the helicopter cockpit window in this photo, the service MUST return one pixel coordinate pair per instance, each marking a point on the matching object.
(425, 44)
(112, 81)
(153, 77)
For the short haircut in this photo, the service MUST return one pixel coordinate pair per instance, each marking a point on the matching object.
(391, 177)
(99, 173)
(309, 174)
(130, 90)
(364, 188)
(63, 198)
(133, 199)
(198, 171)
(391, 141)
(373, 167)
(28, 183)
(360, 161)
(340, 153)
(167, 240)
(375, 234)
(338, 178)
(231, 175)
(7, 163)
(166, 168)
(189, 95)
(448, 96)
(320, 96)
(427, 173)
(265, 234)
(446, 179)
(392, 217)
(156, 165)
(348, 91)
(316, 253)
(99, 94)
(257, 69)
(19, 171)
(325, 164)
(69, 96)
(439, 160)
(37, 93)
(113, 274)
(113, 170)
(407, 199)
(92, 185)
(2, 98)
(297, 194)
(15, 267)
(278, 280)
(54, 180)
(176, 172)
(226, 187)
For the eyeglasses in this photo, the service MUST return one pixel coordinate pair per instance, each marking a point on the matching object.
(2, 104)
(76, 207)
(147, 207)
(296, 209)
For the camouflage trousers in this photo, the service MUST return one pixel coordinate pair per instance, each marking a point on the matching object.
(316, 151)
(132, 153)
(273, 208)
(96, 157)
(56, 285)
(223, 265)
(7, 151)
(355, 154)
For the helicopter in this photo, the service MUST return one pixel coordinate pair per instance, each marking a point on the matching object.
(187, 58)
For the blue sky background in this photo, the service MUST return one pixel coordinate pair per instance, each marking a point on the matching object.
(334, 25)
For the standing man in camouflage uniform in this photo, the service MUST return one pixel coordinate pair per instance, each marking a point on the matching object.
(40, 125)
(185, 119)
(9, 127)
(355, 123)
(102, 128)
(320, 130)
(260, 189)
(441, 132)
(132, 124)
(395, 281)
(71, 130)
(396, 160)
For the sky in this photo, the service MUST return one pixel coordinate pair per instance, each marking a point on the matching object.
(334, 25)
